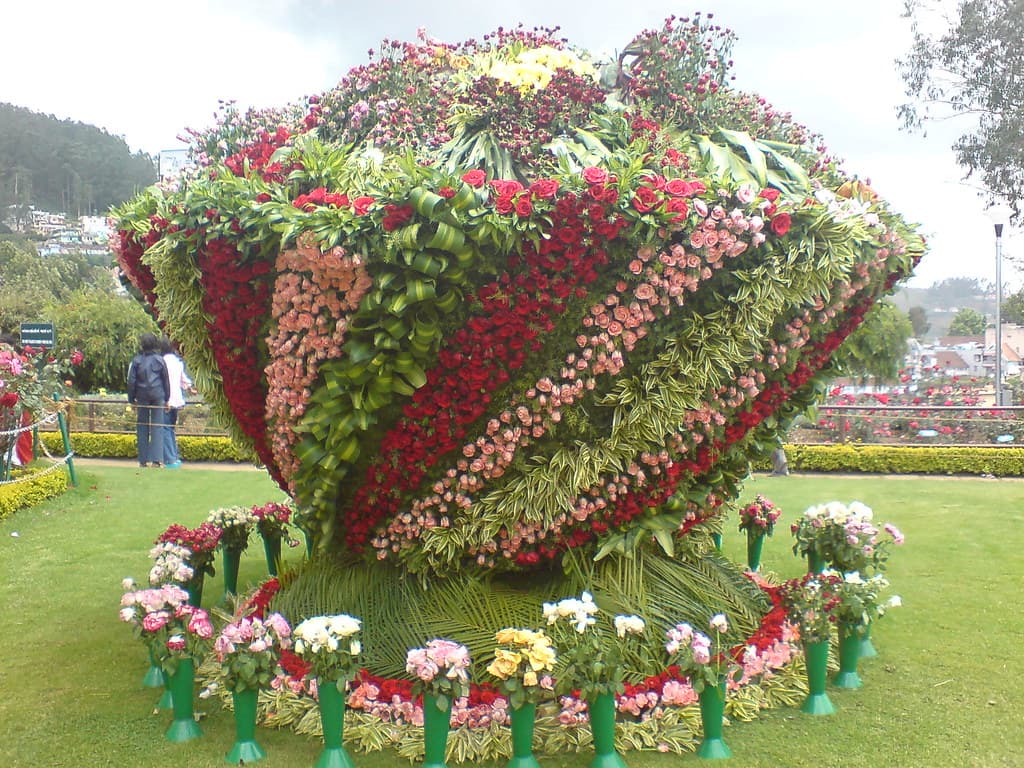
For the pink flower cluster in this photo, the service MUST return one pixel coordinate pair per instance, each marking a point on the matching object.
(252, 635)
(439, 656)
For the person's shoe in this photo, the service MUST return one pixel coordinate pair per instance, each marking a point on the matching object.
(155, 464)
(174, 465)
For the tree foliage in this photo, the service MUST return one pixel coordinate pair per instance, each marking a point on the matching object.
(1012, 309)
(876, 350)
(968, 322)
(918, 317)
(973, 67)
(60, 165)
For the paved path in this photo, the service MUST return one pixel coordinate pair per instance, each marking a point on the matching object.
(225, 466)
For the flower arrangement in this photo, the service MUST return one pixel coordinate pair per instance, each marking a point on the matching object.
(441, 670)
(845, 537)
(170, 564)
(523, 662)
(29, 378)
(704, 659)
(201, 542)
(249, 650)
(860, 600)
(273, 519)
(592, 645)
(330, 646)
(759, 516)
(235, 523)
(172, 628)
(811, 603)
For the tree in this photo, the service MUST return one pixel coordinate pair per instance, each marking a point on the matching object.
(1012, 309)
(973, 67)
(877, 349)
(968, 322)
(919, 321)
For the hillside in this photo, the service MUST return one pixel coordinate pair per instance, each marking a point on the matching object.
(61, 165)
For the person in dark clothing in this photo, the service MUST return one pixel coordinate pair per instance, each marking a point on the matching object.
(149, 389)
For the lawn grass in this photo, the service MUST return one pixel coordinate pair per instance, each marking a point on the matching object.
(945, 691)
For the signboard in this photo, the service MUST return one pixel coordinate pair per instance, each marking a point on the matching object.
(172, 162)
(38, 335)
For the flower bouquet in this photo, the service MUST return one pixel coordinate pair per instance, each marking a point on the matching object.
(843, 536)
(441, 672)
(593, 648)
(249, 650)
(177, 634)
(859, 604)
(522, 665)
(201, 542)
(811, 603)
(235, 523)
(758, 520)
(705, 661)
(273, 523)
(170, 564)
(330, 645)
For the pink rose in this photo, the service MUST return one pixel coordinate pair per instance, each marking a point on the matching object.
(594, 175)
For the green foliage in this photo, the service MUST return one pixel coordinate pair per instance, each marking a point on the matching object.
(106, 329)
(102, 445)
(876, 350)
(1012, 309)
(927, 460)
(32, 488)
(969, 64)
(918, 317)
(60, 165)
(968, 322)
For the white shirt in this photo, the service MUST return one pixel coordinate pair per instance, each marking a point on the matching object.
(178, 378)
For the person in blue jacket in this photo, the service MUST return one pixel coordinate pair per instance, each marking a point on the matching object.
(149, 390)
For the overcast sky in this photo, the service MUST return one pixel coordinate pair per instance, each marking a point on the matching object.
(146, 69)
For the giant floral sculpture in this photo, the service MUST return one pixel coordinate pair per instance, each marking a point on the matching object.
(498, 307)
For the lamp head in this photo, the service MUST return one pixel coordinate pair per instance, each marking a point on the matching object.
(998, 213)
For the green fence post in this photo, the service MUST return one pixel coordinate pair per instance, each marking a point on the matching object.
(63, 424)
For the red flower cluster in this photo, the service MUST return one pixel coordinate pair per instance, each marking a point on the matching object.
(128, 251)
(320, 196)
(199, 540)
(257, 156)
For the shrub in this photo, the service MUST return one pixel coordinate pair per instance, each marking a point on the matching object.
(117, 446)
(31, 491)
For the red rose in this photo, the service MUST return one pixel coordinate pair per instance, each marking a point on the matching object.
(697, 188)
(504, 205)
(645, 199)
(594, 175)
(474, 178)
(770, 194)
(780, 224)
(679, 207)
(523, 206)
(337, 199)
(446, 192)
(679, 188)
(395, 216)
(361, 205)
(506, 187)
(8, 399)
(544, 189)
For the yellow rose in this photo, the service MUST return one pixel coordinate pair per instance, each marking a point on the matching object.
(506, 635)
(541, 657)
(505, 664)
(530, 678)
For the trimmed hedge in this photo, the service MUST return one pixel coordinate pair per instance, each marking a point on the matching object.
(905, 460)
(32, 491)
(118, 446)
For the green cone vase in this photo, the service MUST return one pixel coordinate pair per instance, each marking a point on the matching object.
(232, 559)
(245, 749)
(523, 718)
(332, 719)
(712, 710)
(849, 655)
(166, 697)
(817, 702)
(154, 677)
(602, 726)
(867, 648)
(755, 544)
(184, 727)
(272, 550)
(194, 587)
(815, 562)
(436, 724)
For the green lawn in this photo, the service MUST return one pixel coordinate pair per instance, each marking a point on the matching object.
(945, 691)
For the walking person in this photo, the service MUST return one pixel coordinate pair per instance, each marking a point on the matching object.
(148, 390)
(180, 383)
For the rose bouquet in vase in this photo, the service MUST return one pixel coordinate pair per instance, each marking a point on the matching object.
(201, 543)
(441, 672)
(523, 662)
(704, 659)
(593, 647)
(249, 650)
(273, 522)
(811, 603)
(177, 634)
(235, 524)
(330, 645)
(758, 519)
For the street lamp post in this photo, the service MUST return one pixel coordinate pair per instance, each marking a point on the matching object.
(998, 215)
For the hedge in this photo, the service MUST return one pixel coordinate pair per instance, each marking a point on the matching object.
(905, 460)
(31, 491)
(109, 445)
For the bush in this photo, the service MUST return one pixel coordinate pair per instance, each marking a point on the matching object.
(116, 446)
(909, 460)
(31, 491)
